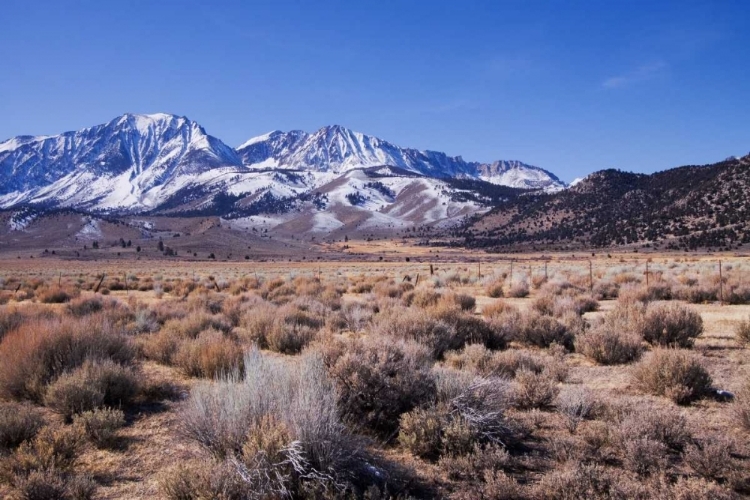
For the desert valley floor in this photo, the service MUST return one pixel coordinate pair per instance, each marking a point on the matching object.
(554, 376)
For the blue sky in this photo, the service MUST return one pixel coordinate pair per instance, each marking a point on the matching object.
(571, 86)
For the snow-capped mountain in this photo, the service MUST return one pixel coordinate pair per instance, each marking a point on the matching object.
(334, 178)
(337, 149)
(125, 163)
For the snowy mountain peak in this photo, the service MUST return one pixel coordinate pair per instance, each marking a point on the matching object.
(112, 165)
(337, 149)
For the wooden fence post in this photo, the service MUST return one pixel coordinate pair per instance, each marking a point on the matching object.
(721, 285)
(591, 277)
(99, 284)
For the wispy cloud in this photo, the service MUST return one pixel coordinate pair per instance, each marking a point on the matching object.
(640, 74)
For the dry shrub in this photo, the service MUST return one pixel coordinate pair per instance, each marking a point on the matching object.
(210, 355)
(711, 457)
(468, 417)
(470, 328)
(741, 331)
(497, 308)
(581, 481)
(307, 286)
(676, 374)
(534, 390)
(418, 325)
(606, 290)
(536, 329)
(644, 456)
(258, 322)
(697, 489)
(287, 329)
(163, 346)
(10, 319)
(608, 345)
(739, 295)
(663, 425)
(388, 289)
(477, 359)
(197, 480)
(83, 306)
(495, 290)
(56, 294)
(421, 297)
(18, 423)
(73, 393)
(101, 425)
(495, 485)
(92, 385)
(230, 419)
(41, 485)
(355, 317)
(508, 363)
(421, 430)
(741, 406)
(461, 300)
(697, 294)
(479, 461)
(519, 290)
(671, 325)
(42, 468)
(37, 352)
(575, 405)
(378, 379)
(53, 448)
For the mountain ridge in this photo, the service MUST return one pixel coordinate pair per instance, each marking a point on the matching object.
(338, 149)
(683, 208)
(139, 163)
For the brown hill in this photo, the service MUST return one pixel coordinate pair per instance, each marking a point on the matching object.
(688, 208)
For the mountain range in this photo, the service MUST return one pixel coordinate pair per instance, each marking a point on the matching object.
(336, 182)
(164, 164)
(685, 208)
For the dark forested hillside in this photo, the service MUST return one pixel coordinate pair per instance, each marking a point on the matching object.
(683, 208)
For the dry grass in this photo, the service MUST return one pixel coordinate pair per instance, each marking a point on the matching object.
(362, 384)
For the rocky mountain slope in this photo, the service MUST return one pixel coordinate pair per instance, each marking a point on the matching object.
(689, 208)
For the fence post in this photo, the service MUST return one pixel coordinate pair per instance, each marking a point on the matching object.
(591, 277)
(646, 274)
(99, 284)
(511, 273)
(721, 285)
